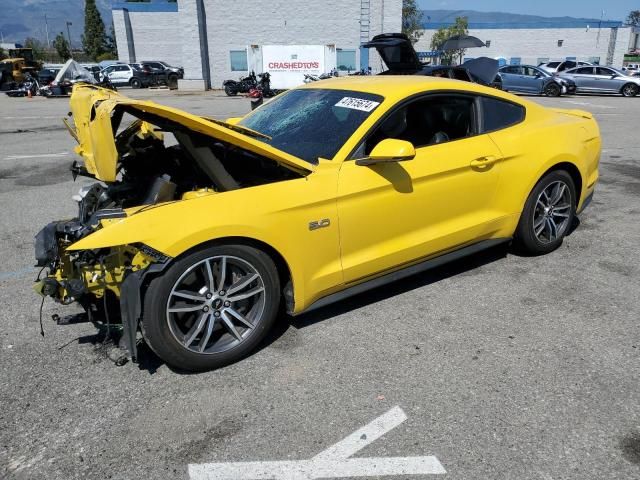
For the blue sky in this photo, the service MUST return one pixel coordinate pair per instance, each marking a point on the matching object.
(614, 9)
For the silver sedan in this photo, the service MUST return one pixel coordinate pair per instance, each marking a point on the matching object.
(596, 79)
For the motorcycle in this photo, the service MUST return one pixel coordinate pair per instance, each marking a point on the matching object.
(308, 78)
(261, 91)
(233, 87)
(29, 87)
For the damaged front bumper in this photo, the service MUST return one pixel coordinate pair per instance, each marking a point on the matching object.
(108, 283)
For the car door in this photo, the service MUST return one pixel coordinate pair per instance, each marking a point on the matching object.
(531, 79)
(584, 78)
(393, 214)
(512, 80)
(608, 80)
(110, 72)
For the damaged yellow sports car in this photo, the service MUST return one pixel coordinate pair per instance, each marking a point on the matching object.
(198, 231)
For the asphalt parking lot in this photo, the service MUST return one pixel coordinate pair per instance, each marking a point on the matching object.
(506, 367)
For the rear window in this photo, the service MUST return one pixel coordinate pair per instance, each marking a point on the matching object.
(498, 114)
(553, 64)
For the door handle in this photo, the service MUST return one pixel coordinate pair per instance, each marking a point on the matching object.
(484, 162)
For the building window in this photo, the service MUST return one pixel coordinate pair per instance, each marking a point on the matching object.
(560, 42)
(515, 61)
(239, 61)
(594, 60)
(488, 43)
(346, 59)
(542, 60)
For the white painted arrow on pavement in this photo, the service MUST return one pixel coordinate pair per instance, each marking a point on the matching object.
(334, 462)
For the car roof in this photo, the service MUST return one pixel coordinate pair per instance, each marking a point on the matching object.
(397, 87)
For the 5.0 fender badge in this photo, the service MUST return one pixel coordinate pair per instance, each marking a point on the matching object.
(325, 222)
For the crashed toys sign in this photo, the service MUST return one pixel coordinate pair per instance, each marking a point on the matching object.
(288, 64)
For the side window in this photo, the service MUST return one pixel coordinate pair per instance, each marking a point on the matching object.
(427, 121)
(604, 71)
(122, 68)
(238, 60)
(498, 114)
(346, 59)
(530, 72)
(584, 71)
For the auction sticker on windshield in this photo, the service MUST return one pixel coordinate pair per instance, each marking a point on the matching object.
(357, 104)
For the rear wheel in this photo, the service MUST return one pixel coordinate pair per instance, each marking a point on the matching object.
(135, 83)
(230, 91)
(547, 215)
(211, 308)
(553, 90)
(630, 90)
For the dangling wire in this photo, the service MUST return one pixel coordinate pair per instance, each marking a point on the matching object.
(41, 328)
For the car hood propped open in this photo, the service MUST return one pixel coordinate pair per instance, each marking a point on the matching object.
(396, 51)
(97, 113)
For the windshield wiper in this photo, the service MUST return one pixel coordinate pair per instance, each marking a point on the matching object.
(238, 128)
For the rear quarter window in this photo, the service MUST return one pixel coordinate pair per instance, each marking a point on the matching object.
(498, 114)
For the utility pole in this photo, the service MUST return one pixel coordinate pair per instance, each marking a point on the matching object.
(46, 28)
(599, 29)
(69, 36)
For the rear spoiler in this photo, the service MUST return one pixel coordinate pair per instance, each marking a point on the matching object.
(575, 113)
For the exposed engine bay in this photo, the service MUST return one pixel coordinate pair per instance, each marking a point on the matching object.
(159, 160)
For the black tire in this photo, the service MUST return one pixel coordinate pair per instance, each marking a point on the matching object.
(135, 83)
(553, 90)
(230, 91)
(155, 323)
(172, 82)
(525, 239)
(630, 90)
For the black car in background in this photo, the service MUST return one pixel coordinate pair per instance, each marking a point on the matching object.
(398, 54)
(47, 75)
(169, 73)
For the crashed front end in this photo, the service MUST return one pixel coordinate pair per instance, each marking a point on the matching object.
(88, 259)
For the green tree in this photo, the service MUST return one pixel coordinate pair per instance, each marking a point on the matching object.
(111, 45)
(634, 18)
(411, 20)
(37, 47)
(460, 27)
(94, 40)
(62, 47)
(3, 54)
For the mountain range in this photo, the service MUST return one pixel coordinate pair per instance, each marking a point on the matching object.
(20, 19)
(448, 17)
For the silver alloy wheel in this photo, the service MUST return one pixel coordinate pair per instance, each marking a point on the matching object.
(552, 212)
(216, 304)
(629, 90)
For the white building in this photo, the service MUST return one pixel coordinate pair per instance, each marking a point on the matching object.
(215, 40)
(603, 42)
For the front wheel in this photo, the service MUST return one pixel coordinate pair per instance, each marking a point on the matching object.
(553, 90)
(212, 307)
(548, 214)
(630, 90)
(230, 91)
(135, 83)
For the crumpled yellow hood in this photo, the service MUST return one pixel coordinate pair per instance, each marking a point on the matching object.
(97, 112)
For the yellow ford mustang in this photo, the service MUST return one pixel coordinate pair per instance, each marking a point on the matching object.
(198, 230)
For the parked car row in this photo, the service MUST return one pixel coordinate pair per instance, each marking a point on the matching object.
(533, 80)
(582, 79)
(143, 74)
(136, 75)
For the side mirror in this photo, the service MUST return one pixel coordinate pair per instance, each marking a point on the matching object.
(233, 120)
(388, 151)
